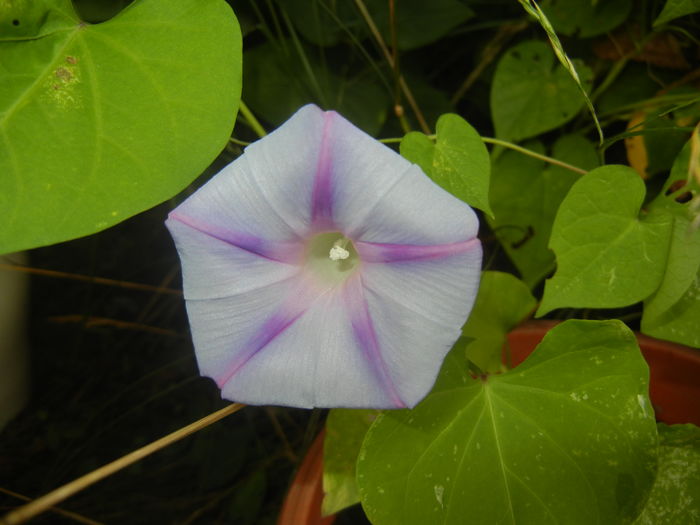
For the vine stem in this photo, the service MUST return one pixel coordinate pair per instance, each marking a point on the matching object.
(534, 154)
(390, 60)
(254, 123)
(90, 279)
(515, 147)
(46, 502)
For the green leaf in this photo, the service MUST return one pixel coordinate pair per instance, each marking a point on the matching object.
(674, 497)
(345, 430)
(526, 194)
(503, 302)
(677, 8)
(530, 94)
(673, 312)
(607, 255)
(567, 437)
(278, 82)
(586, 17)
(458, 160)
(100, 122)
(534, 10)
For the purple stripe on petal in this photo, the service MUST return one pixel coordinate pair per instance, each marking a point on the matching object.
(295, 305)
(363, 329)
(285, 252)
(322, 197)
(386, 253)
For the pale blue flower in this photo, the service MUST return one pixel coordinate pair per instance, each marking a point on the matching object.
(322, 269)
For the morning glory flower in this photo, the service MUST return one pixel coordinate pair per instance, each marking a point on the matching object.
(322, 269)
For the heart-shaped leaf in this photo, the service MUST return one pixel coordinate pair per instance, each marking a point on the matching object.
(531, 94)
(99, 122)
(607, 255)
(458, 159)
(567, 437)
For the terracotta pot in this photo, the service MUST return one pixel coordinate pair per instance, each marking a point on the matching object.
(302, 506)
(674, 390)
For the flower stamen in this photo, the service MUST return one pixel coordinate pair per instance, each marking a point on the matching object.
(338, 251)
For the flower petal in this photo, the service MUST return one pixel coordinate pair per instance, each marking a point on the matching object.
(318, 361)
(360, 170)
(224, 329)
(281, 251)
(378, 196)
(266, 193)
(418, 308)
(212, 268)
(417, 212)
(383, 253)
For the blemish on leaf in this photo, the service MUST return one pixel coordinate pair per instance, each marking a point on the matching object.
(642, 403)
(63, 74)
(60, 86)
(439, 491)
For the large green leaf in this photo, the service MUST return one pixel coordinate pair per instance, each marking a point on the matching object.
(674, 498)
(99, 122)
(607, 255)
(345, 430)
(673, 312)
(566, 437)
(586, 17)
(458, 160)
(677, 8)
(531, 94)
(503, 301)
(526, 194)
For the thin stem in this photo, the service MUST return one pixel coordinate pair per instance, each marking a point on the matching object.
(514, 147)
(238, 142)
(387, 55)
(252, 121)
(65, 513)
(90, 279)
(534, 154)
(44, 503)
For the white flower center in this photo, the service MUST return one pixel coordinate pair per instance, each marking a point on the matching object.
(331, 257)
(338, 251)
